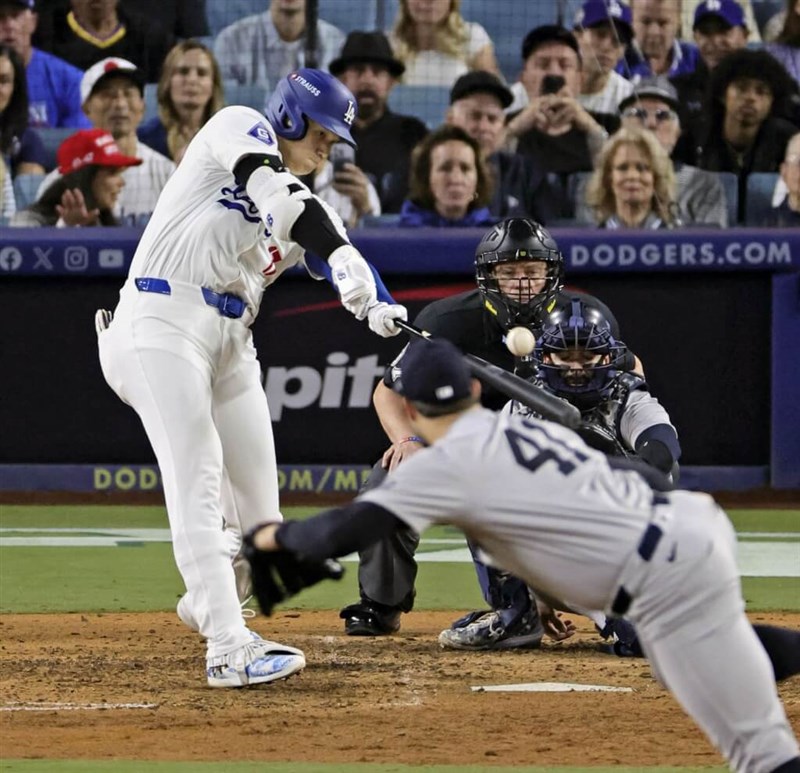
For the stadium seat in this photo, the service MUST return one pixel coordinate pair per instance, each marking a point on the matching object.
(25, 187)
(730, 182)
(250, 94)
(428, 103)
(150, 101)
(51, 139)
(760, 187)
(379, 221)
(222, 13)
(348, 15)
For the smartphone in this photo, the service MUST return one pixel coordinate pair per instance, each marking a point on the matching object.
(341, 154)
(552, 84)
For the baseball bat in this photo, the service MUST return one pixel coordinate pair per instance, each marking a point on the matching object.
(511, 385)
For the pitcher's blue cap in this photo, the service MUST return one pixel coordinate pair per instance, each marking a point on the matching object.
(434, 373)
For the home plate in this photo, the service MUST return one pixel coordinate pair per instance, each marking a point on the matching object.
(549, 687)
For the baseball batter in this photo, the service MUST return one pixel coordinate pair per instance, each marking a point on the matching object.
(541, 503)
(231, 219)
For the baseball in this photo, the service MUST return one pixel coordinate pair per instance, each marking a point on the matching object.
(520, 341)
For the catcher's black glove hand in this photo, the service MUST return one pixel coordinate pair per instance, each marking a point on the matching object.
(280, 574)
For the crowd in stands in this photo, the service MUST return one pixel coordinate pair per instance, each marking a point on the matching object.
(654, 114)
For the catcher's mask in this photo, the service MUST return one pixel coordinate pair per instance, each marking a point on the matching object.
(577, 356)
(519, 270)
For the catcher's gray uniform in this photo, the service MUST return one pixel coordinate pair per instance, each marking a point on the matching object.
(545, 506)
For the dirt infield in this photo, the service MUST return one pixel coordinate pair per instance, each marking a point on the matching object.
(398, 699)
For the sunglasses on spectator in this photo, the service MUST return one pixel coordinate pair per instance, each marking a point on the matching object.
(662, 115)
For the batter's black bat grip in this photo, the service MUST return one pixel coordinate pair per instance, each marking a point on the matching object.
(547, 405)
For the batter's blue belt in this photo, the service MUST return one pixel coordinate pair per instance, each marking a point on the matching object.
(227, 304)
(647, 546)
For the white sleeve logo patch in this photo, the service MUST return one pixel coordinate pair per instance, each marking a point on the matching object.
(262, 134)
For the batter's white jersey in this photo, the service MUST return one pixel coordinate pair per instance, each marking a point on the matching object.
(206, 230)
(510, 493)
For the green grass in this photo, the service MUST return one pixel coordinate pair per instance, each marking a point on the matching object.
(143, 576)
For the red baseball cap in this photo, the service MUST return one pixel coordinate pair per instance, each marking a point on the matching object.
(91, 146)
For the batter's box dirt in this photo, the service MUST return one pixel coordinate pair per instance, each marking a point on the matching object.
(401, 699)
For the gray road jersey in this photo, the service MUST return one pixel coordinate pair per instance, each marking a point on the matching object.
(641, 411)
(541, 488)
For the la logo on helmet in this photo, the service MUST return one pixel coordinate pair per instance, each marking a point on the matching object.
(350, 113)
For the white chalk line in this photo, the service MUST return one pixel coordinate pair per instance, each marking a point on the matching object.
(549, 687)
(761, 554)
(75, 706)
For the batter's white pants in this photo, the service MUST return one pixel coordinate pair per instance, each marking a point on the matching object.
(689, 614)
(193, 378)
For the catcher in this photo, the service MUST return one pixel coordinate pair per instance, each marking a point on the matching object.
(578, 359)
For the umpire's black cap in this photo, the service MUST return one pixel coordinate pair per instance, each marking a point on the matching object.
(434, 373)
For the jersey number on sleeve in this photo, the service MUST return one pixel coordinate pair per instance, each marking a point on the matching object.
(531, 452)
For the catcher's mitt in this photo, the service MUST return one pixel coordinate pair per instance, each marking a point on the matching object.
(280, 574)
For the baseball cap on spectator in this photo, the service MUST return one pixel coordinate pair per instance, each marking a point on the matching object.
(658, 87)
(481, 82)
(91, 147)
(21, 3)
(548, 33)
(434, 373)
(369, 47)
(596, 12)
(729, 11)
(105, 68)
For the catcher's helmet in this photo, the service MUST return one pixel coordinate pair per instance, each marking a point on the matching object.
(511, 240)
(576, 327)
(308, 93)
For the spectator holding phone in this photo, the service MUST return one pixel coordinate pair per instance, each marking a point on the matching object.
(339, 182)
(385, 139)
(555, 130)
(477, 100)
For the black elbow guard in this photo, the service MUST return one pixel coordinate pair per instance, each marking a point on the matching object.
(248, 164)
(314, 231)
(656, 454)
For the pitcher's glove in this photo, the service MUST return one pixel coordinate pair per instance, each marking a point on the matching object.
(279, 574)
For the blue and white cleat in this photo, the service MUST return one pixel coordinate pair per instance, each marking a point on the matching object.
(257, 662)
